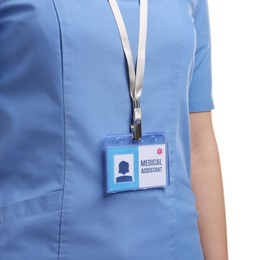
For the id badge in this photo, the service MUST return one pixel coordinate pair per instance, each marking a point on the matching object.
(136, 165)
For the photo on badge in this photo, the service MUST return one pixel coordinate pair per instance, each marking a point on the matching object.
(122, 169)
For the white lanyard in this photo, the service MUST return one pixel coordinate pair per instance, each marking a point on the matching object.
(135, 79)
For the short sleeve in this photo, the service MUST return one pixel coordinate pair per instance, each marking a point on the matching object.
(200, 90)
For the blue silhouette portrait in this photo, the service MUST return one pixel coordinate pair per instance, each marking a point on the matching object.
(123, 169)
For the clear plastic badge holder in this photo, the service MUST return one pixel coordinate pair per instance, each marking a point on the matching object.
(136, 164)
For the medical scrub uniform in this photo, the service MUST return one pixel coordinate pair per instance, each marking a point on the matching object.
(63, 88)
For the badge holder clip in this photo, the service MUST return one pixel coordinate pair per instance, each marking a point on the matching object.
(136, 128)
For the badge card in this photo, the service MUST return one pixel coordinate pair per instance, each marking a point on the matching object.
(134, 165)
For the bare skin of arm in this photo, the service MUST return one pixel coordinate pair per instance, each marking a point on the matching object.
(208, 187)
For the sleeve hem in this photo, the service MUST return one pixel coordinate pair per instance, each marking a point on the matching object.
(201, 105)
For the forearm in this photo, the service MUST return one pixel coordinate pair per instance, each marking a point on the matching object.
(207, 185)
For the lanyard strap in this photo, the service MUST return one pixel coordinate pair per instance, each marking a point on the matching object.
(135, 79)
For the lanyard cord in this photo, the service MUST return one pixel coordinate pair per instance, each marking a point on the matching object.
(135, 79)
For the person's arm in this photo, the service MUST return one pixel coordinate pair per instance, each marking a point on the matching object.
(207, 185)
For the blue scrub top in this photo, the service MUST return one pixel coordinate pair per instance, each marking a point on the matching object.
(63, 87)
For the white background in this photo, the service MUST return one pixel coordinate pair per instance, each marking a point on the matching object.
(232, 32)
